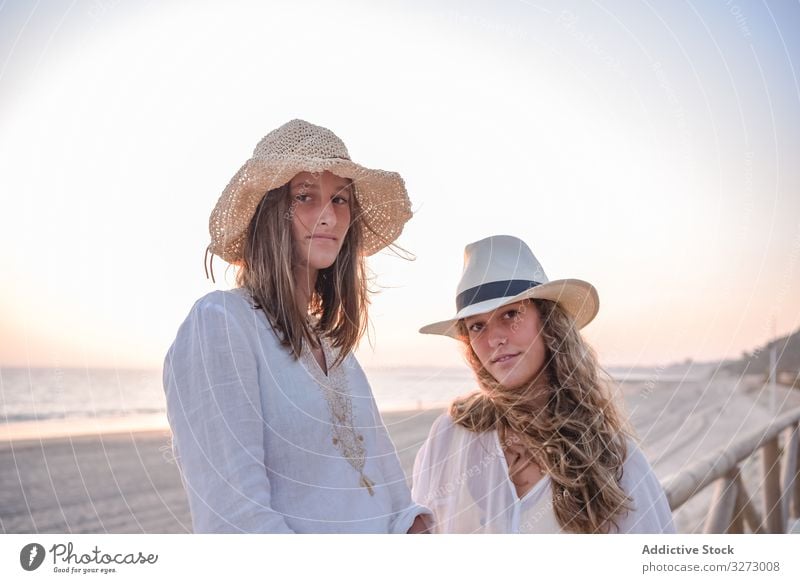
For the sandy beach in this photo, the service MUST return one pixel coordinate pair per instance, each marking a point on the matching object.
(125, 481)
(122, 481)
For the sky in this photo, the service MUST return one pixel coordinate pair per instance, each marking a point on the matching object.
(650, 148)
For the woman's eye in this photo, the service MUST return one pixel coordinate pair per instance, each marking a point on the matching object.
(302, 197)
(475, 328)
(340, 200)
(511, 314)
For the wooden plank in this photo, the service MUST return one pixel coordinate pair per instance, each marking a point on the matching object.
(745, 508)
(722, 505)
(795, 507)
(789, 470)
(770, 465)
(684, 484)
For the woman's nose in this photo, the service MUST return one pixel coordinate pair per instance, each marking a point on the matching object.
(327, 215)
(497, 338)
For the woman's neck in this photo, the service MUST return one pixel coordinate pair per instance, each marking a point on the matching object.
(305, 279)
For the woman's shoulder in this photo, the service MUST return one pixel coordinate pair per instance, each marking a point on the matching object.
(442, 424)
(237, 297)
(635, 455)
(228, 310)
(449, 446)
(651, 512)
(235, 303)
(637, 467)
(445, 431)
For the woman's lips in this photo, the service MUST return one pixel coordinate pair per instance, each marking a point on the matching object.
(505, 358)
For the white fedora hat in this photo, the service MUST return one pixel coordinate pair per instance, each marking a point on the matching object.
(502, 270)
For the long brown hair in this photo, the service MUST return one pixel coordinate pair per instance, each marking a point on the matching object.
(340, 297)
(578, 438)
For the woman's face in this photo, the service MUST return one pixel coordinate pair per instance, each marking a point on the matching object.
(509, 343)
(320, 215)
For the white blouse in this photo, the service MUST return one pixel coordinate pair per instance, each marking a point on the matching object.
(269, 444)
(462, 476)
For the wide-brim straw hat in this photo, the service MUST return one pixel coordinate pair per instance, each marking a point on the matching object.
(299, 146)
(501, 270)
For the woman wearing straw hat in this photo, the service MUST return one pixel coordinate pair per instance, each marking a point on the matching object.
(275, 429)
(541, 446)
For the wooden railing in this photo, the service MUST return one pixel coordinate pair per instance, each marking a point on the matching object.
(732, 507)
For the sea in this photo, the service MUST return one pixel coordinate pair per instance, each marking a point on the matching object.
(41, 394)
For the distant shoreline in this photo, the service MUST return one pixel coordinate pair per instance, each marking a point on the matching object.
(74, 426)
(49, 429)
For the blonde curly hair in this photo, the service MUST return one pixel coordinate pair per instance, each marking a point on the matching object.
(578, 438)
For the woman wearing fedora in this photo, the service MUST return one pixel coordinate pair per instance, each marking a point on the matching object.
(541, 446)
(275, 428)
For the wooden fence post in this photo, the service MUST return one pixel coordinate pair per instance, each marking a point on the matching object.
(770, 464)
(723, 504)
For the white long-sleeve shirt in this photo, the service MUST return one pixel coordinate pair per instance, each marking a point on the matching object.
(462, 476)
(254, 439)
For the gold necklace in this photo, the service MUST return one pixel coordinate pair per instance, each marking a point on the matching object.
(344, 437)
